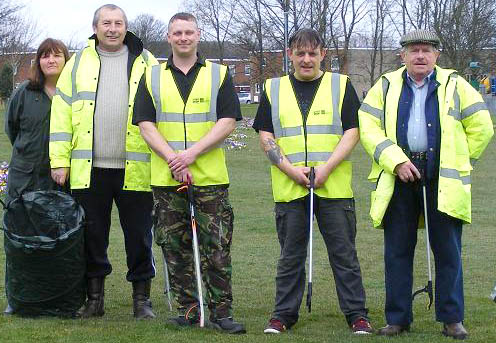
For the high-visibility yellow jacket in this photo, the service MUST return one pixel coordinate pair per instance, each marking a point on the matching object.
(184, 124)
(73, 107)
(311, 144)
(466, 129)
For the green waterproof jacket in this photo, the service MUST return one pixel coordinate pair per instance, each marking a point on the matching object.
(27, 124)
(73, 108)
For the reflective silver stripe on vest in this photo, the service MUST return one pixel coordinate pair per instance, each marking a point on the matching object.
(385, 88)
(478, 106)
(179, 145)
(324, 129)
(60, 137)
(379, 114)
(178, 117)
(137, 156)
(335, 90)
(81, 154)
(274, 106)
(214, 91)
(311, 157)
(85, 95)
(454, 174)
(155, 83)
(67, 99)
(455, 111)
(380, 148)
(291, 131)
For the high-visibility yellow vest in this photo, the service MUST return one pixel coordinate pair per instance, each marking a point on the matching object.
(71, 123)
(323, 131)
(184, 124)
(466, 129)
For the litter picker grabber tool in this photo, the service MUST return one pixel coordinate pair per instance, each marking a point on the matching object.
(310, 241)
(196, 252)
(167, 284)
(428, 288)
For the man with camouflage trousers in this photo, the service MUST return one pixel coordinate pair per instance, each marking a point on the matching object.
(185, 108)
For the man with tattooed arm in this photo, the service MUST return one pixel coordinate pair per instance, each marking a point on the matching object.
(309, 119)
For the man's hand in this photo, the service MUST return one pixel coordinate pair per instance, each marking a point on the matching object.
(183, 176)
(407, 172)
(300, 175)
(321, 175)
(60, 175)
(181, 160)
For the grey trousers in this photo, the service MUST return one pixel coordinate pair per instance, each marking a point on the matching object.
(337, 224)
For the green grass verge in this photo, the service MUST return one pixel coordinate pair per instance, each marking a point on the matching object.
(255, 251)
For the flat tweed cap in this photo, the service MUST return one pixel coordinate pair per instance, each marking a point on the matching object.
(420, 36)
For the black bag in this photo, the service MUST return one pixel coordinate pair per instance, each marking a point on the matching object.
(45, 257)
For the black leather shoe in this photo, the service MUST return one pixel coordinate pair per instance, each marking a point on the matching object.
(393, 330)
(227, 325)
(183, 321)
(455, 330)
(142, 306)
(94, 306)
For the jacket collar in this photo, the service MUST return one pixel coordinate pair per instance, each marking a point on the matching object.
(134, 44)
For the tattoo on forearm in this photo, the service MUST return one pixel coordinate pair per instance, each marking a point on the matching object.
(273, 151)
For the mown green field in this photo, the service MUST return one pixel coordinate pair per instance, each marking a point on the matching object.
(255, 251)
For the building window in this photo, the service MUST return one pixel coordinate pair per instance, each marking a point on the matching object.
(334, 64)
(232, 69)
(247, 69)
(32, 61)
(257, 88)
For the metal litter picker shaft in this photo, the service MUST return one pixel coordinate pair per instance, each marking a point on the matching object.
(310, 241)
(428, 288)
(196, 251)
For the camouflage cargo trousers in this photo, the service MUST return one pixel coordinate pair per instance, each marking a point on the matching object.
(172, 230)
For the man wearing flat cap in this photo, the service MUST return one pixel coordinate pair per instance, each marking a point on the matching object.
(423, 125)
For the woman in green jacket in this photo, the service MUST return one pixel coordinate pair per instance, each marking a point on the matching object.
(27, 122)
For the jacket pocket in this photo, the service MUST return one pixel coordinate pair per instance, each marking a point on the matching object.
(20, 177)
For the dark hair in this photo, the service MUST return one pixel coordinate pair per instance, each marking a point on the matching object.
(96, 15)
(36, 77)
(182, 16)
(306, 37)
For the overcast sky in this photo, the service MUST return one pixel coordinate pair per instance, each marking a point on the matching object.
(71, 19)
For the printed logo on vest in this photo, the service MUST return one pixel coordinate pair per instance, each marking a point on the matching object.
(199, 100)
(319, 112)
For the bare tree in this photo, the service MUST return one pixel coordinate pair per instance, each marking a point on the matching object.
(216, 19)
(152, 31)
(465, 28)
(344, 16)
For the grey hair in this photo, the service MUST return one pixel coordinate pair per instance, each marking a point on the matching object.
(112, 7)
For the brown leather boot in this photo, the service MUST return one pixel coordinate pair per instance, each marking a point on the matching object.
(393, 330)
(142, 306)
(455, 330)
(94, 304)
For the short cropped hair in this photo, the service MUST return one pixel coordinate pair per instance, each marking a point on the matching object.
(306, 37)
(182, 16)
(36, 77)
(111, 7)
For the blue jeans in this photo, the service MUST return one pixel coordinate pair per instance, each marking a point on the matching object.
(400, 239)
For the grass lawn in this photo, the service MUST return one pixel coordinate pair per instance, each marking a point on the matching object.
(255, 251)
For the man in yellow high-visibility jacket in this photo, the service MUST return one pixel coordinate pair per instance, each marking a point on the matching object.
(422, 124)
(185, 108)
(309, 119)
(92, 138)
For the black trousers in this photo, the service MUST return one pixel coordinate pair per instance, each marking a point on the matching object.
(135, 215)
(337, 224)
